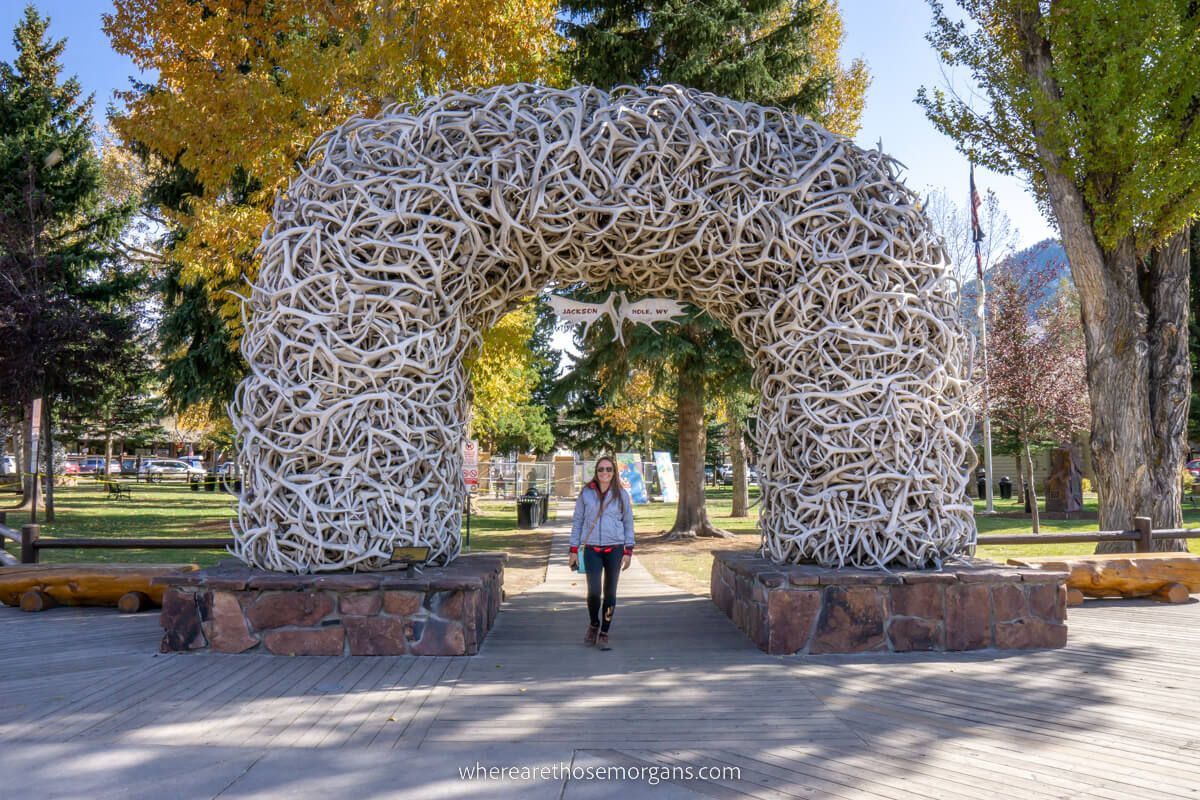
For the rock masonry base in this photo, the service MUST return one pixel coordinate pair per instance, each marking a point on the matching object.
(232, 608)
(806, 609)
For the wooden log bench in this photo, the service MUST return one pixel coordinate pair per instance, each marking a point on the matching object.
(1167, 577)
(37, 587)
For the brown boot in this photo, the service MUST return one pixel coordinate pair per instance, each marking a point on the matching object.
(590, 637)
(602, 642)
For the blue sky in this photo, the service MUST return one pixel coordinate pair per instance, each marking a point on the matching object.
(888, 33)
(88, 55)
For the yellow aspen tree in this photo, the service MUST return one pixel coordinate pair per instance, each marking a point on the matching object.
(244, 88)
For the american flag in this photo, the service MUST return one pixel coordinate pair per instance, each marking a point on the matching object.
(976, 230)
(976, 202)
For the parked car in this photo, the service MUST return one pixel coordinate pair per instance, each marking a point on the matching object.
(752, 476)
(8, 465)
(1194, 468)
(94, 464)
(725, 474)
(160, 469)
(195, 461)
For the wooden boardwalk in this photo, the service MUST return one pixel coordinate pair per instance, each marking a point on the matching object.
(89, 709)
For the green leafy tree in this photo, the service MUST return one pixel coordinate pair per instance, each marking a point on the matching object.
(761, 51)
(695, 357)
(504, 376)
(201, 364)
(61, 276)
(579, 396)
(1097, 105)
(122, 406)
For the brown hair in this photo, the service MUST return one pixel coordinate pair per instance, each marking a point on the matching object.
(595, 475)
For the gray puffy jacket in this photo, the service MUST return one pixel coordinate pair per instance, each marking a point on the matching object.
(615, 527)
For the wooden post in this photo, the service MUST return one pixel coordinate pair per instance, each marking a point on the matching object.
(29, 535)
(1145, 542)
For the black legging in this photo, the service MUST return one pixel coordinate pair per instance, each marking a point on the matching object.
(610, 562)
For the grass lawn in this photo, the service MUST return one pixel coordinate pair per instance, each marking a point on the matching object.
(687, 564)
(171, 509)
(1001, 525)
(156, 510)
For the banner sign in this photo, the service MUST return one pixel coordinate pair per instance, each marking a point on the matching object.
(471, 463)
(666, 476)
(649, 311)
(36, 413)
(629, 470)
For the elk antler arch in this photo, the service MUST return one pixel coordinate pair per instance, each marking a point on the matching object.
(408, 234)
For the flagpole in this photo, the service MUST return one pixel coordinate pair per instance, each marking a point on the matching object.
(981, 315)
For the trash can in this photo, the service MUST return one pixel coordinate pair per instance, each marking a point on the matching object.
(1005, 488)
(530, 510)
(981, 483)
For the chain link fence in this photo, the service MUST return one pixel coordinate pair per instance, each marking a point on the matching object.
(507, 479)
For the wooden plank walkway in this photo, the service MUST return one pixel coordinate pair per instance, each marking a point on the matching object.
(89, 708)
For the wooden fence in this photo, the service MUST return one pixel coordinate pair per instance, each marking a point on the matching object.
(1142, 535)
(30, 542)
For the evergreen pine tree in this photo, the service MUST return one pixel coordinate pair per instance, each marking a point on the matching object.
(61, 280)
(757, 51)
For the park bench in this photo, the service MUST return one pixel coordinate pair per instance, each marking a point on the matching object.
(37, 587)
(117, 491)
(1167, 577)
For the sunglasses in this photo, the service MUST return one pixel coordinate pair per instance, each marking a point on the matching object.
(604, 469)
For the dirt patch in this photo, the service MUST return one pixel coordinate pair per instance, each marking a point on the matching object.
(528, 554)
(220, 525)
(687, 564)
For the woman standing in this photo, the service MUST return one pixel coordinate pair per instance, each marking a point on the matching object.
(603, 529)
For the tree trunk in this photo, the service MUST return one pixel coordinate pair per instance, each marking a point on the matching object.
(1139, 380)
(48, 443)
(737, 455)
(108, 443)
(1135, 322)
(691, 517)
(1033, 498)
(1020, 485)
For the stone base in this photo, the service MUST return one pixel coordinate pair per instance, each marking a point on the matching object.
(231, 608)
(806, 609)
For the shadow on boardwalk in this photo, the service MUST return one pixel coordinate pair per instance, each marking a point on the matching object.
(89, 709)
